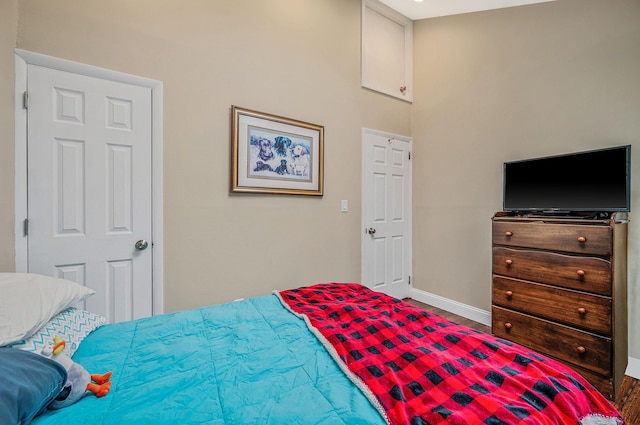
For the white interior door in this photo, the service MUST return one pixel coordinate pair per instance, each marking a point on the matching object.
(386, 213)
(89, 188)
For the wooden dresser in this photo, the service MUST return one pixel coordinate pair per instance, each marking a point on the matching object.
(560, 287)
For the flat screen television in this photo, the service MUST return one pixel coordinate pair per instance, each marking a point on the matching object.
(592, 181)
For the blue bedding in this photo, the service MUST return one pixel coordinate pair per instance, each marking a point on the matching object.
(247, 362)
(28, 383)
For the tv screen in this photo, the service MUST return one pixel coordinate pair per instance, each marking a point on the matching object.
(597, 181)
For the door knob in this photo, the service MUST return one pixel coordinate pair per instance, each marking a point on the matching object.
(142, 244)
(371, 231)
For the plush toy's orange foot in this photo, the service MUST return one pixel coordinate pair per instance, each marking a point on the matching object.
(101, 379)
(99, 390)
(101, 386)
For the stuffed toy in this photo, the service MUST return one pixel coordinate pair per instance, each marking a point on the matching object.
(79, 382)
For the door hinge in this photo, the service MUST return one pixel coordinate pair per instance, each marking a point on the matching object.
(25, 100)
(25, 227)
(409, 154)
(409, 280)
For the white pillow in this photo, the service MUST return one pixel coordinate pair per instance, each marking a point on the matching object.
(28, 301)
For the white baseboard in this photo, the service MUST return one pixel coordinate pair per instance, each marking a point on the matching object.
(633, 368)
(464, 310)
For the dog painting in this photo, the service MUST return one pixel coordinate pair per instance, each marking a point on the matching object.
(275, 155)
(279, 156)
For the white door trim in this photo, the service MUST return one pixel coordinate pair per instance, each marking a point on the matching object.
(22, 59)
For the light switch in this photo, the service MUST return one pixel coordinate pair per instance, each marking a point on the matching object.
(344, 207)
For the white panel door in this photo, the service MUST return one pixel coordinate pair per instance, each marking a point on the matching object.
(89, 188)
(386, 213)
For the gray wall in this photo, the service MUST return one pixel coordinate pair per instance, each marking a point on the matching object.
(8, 29)
(299, 60)
(511, 84)
(489, 87)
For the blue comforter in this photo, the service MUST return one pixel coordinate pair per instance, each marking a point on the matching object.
(247, 362)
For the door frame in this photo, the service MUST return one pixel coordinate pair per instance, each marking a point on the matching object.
(24, 58)
(364, 236)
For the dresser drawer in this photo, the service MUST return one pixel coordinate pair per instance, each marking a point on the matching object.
(581, 348)
(582, 239)
(579, 309)
(590, 274)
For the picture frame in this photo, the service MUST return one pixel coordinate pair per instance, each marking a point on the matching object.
(275, 155)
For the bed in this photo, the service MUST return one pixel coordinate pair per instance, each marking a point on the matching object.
(331, 353)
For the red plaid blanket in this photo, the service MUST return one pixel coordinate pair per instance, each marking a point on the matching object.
(424, 369)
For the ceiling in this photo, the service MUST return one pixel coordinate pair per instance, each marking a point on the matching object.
(433, 8)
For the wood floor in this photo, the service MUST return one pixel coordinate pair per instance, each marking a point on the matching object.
(628, 398)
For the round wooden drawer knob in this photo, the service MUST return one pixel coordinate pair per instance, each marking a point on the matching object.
(581, 350)
(582, 311)
(508, 325)
(509, 294)
(580, 273)
(508, 262)
(508, 234)
(582, 239)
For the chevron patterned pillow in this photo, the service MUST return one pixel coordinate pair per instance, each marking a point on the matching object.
(72, 325)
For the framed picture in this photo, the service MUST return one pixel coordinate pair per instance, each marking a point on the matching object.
(272, 154)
